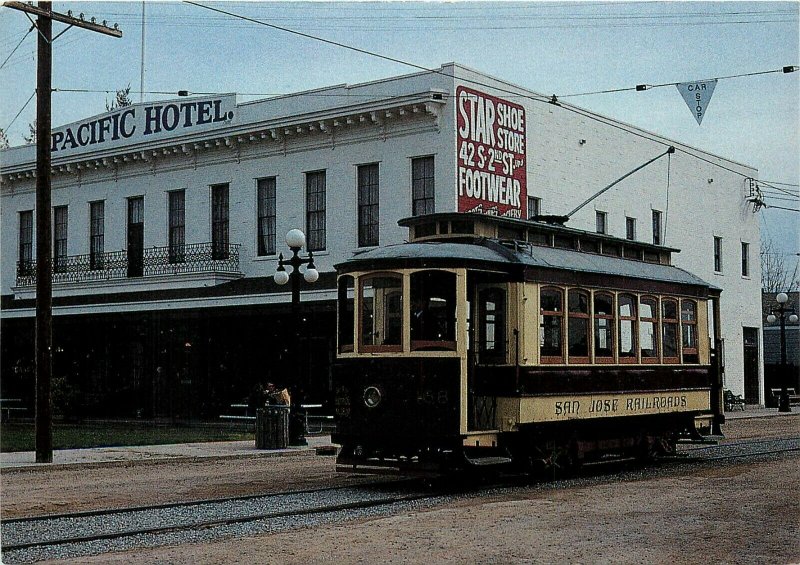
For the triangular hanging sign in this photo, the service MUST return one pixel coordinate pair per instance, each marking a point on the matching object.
(697, 96)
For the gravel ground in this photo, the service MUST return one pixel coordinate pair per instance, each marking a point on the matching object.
(732, 512)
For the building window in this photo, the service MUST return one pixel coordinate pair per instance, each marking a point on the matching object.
(26, 242)
(630, 228)
(600, 220)
(315, 210)
(422, 186)
(745, 259)
(266, 215)
(717, 254)
(177, 226)
(60, 239)
(657, 227)
(368, 189)
(219, 221)
(96, 234)
(136, 236)
(551, 320)
(534, 207)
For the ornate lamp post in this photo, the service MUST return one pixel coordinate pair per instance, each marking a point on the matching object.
(296, 240)
(782, 311)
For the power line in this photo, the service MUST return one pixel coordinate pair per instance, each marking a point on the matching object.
(17, 47)
(781, 183)
(541, 99)
(20, 111)
(641, 87)
(782, 208)
(307, 36)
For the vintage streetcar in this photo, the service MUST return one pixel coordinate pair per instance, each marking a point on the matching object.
(488, 341)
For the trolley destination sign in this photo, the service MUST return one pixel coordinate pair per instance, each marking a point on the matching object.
(491, 146)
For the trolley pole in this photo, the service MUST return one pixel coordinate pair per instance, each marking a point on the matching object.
(44, 281)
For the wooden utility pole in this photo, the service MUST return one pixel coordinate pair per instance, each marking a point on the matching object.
(44, 242)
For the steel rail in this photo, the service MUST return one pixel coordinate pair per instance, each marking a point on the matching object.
(206, 524)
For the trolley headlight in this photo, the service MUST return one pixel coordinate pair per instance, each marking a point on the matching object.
(372, 396)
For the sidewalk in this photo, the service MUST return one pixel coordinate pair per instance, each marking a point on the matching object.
(104, 455)
(757, 412)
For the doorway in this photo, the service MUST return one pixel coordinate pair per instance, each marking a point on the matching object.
(751, 388)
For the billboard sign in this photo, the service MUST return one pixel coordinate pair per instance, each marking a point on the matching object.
(491, 146)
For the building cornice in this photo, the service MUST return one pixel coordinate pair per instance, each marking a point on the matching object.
(281, 131)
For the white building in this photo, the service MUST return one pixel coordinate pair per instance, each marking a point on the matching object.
(168, 218)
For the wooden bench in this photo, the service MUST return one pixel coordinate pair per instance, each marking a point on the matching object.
(733, 401)
(794, 398)
(9, 406)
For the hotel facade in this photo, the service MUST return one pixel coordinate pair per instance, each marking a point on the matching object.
(169, 216)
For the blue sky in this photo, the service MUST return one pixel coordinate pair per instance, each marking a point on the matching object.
(561, 48)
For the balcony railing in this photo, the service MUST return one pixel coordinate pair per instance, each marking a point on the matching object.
(152, 261)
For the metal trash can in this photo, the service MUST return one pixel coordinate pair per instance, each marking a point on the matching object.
(272, 427)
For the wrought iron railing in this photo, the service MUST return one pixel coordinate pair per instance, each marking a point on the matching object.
(151, 261)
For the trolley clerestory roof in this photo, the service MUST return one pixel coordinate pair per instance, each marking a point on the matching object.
(504, 255)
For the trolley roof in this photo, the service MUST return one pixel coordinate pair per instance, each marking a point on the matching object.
(495, 253)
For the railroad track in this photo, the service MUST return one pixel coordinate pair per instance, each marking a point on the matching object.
(742, 449)
(97, 532)
(32, 539)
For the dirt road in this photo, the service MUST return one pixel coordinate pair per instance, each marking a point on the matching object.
(735, 513)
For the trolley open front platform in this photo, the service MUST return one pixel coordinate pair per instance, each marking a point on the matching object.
(486, 341)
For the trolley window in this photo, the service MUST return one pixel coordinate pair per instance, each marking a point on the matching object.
(433, 310)
(669, 330)
(578, 328)
(603, 327)
(627, 325)
(492, 324)
(346, 314)
(381, 313)
(689, 330)
(551, 319)
(648, 329)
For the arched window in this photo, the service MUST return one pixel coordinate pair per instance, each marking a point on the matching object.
(346, 317)
(603, 327)
(669, 330)
(627, 328)
(551, 319)
(578, 327)
(689, 330)
(381, 313)
(648, 329)
(433, 310)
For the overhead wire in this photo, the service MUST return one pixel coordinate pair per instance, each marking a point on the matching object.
(17, 47)
(20, 111)
(516, 92)
(641, 87)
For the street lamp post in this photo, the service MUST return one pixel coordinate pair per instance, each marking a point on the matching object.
(296, 240)
(782, 311)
